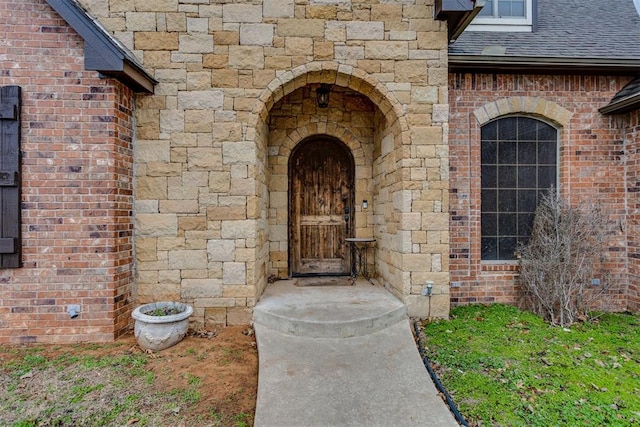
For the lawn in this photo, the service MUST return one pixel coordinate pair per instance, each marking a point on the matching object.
(205, 380)
(509, 368)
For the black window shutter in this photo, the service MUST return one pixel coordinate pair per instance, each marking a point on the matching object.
(10, 186)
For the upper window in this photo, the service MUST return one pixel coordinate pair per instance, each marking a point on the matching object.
(519, 164)
(504, 15)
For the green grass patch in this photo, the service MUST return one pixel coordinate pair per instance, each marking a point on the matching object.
(507, 367)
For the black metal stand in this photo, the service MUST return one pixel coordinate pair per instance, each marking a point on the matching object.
(360, 247)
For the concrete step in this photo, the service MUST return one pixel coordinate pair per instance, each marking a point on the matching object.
(327, 311)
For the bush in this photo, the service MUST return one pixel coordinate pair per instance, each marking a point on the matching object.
(560, 259)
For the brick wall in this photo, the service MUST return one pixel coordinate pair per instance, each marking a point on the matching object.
(632, 148)
(591, 166)
(77, 186)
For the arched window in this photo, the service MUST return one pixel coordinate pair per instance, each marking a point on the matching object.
(519, 163)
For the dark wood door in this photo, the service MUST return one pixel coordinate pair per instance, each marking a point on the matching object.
(321, 207)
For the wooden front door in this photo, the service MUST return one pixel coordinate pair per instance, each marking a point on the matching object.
(321, 216)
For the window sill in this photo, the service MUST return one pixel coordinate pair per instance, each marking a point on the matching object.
(493, 266)
(499, 27)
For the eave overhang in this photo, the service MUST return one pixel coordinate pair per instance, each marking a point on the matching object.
(458, 14)
(543, 65)
(622, 106)
(628, 99)
(102, 52)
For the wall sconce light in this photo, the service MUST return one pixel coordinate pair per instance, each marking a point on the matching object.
(322, 95)
(365, 204)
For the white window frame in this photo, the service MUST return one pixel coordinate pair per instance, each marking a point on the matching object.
(487, 23)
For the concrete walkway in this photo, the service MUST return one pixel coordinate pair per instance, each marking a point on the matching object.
(340, 356)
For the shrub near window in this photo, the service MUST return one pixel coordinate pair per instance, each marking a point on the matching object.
(559, 262)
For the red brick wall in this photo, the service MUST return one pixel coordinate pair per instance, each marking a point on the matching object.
(632, 140)
(77, 186)
(591, 166)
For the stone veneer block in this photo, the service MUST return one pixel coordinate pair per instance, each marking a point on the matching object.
(201, 100)
(238, 152)
(140, 21)
(188, 259)
(398, 50)
(234, 273)
(349, 52)
(362, 30)
(155, 225)
(156, 5)
(201, 288)
(221, 250)
(424, 94)
(256, 34)
(300, 28)
(278, 8)
(240, 13)
(196, 43)
(155, 40)
(238, 229)
(246, 57)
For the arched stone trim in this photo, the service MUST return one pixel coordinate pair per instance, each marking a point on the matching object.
(332, 129)
(534, 106)
(332, 73)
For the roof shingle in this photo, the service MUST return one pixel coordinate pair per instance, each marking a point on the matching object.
(567, 29)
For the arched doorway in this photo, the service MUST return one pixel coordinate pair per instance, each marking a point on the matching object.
(321, 201)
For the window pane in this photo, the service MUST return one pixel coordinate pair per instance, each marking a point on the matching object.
(489, 248)
(489, 152)
(525, 224)
(546, 176)
(489, 201)
(527, 153)
(527, 200)
(517, 8)
(527, 129)
(489, 224)
(489, 132)
(507, 247)
(507, 201)
(547, 153)
(487, 10)
(507, 152)
(504, 8)
(511, 8)
(507, 129)
(527, 177)
(507, 177)
(507, 224)
(547, 132)
(489, 176)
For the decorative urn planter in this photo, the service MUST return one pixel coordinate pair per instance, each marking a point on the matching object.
(160, 325)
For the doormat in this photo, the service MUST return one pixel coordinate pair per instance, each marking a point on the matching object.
(324, 281)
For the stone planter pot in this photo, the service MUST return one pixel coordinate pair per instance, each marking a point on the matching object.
(160, 332)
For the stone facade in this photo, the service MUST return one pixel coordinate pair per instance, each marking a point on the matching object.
(593, 161)
(235, 95)
(77, 177)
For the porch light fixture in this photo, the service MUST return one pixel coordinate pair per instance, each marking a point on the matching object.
(322, 95)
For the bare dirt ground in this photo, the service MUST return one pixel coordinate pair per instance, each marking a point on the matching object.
(208, 379)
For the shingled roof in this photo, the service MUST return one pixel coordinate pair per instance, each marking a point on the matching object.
(590, 35)
(628, 99)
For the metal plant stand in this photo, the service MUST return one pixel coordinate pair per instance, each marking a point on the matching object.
(360, 246)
